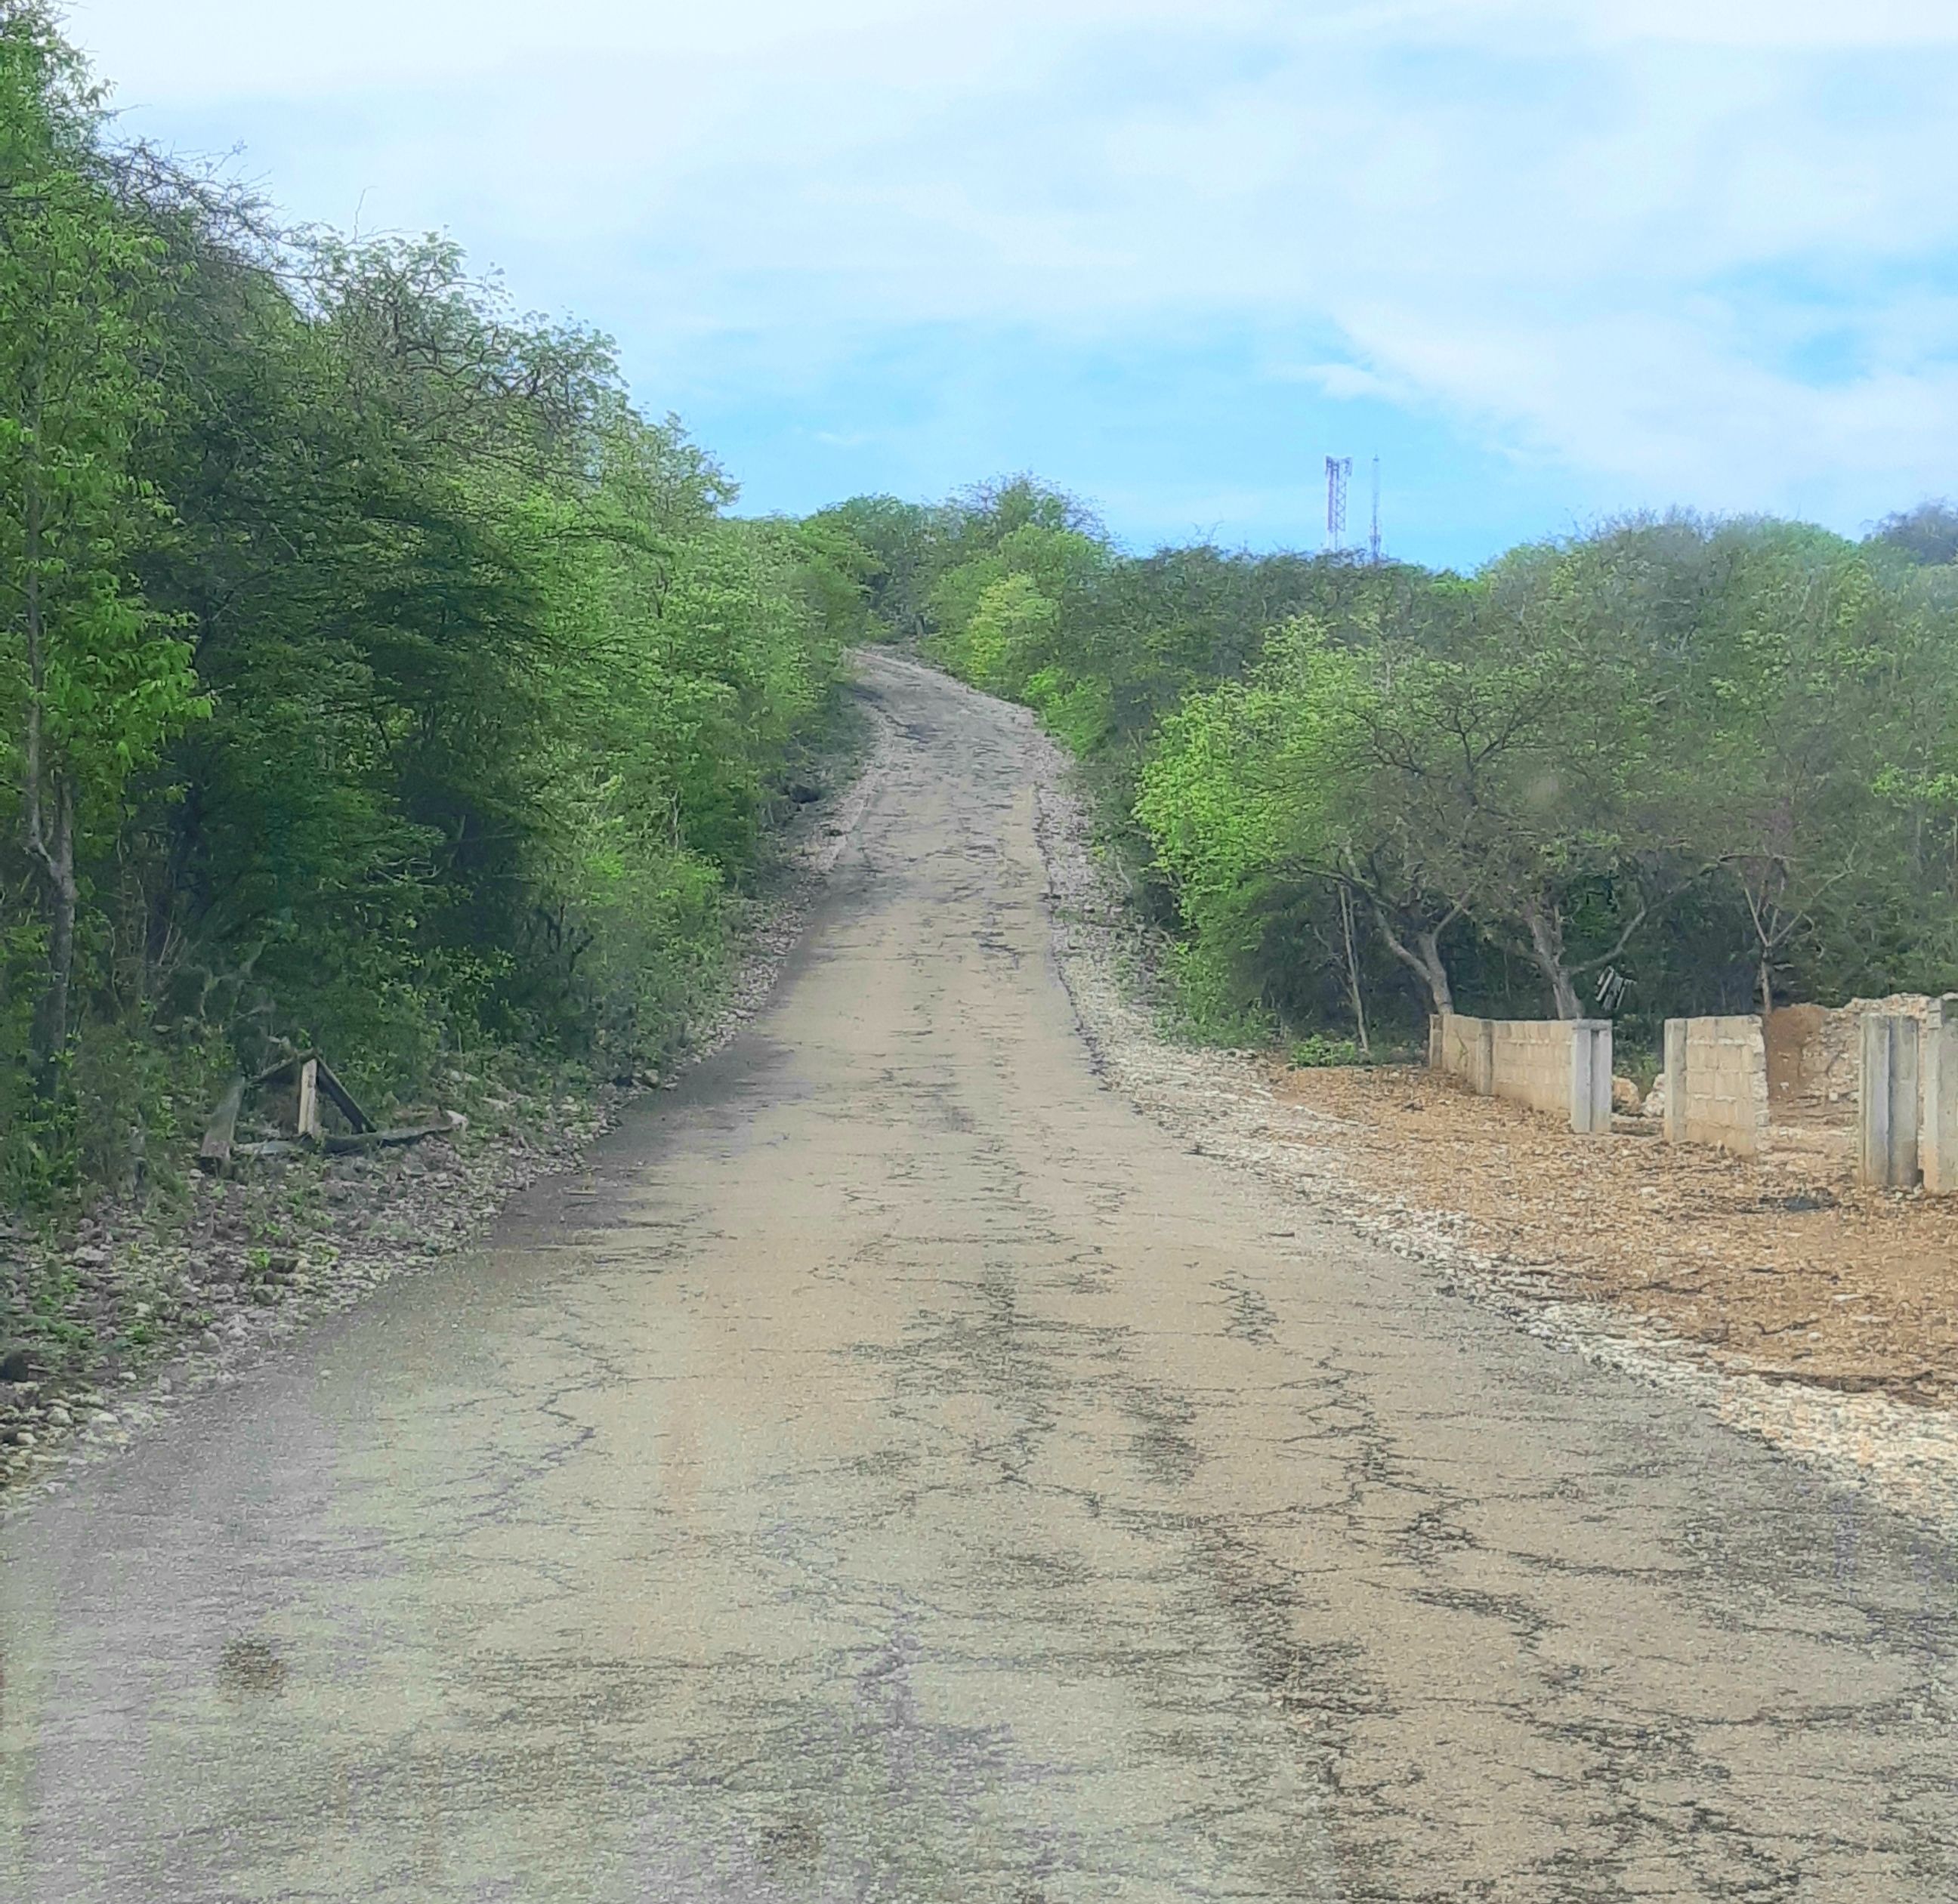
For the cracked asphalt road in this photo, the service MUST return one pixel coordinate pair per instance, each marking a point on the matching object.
(899, 1470)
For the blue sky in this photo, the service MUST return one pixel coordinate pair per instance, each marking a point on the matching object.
(1550, 259)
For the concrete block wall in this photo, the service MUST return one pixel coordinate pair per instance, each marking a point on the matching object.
(1532, 1063)
(1558, 1066)
(1716, 1082)
(1905, 1068)
(1464, 1048)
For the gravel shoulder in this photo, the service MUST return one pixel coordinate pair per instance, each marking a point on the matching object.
(164, 1302)
(1820, 1318)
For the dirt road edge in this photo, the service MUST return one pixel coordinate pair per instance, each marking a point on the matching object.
(1907, 1457)
(346, 1227)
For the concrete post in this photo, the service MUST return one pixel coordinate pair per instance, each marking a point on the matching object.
(1937, 1065)
(1438, 1032)
(1591, 1077)
(1674, 1125)
(1886, 1104)
(1485, 1057)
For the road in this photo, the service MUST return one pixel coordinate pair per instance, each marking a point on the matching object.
(901, 1472)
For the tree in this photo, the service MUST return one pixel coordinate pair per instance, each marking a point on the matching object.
(374, 674)
(98, 681)
(1927, 533)
(900, 540)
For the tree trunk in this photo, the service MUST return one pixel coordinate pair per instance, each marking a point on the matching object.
(1440, 994)
(1546, 932)
(51, 1027)
(1423, 958)
(50, 833)
(1353, 969)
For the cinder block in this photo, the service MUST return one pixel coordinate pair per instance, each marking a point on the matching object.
(1716, 1082)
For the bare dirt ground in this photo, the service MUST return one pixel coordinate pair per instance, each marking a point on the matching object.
(1782, 1271)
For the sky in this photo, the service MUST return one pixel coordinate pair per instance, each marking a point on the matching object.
(1550, 261)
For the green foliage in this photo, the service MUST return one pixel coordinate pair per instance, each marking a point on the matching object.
(1927, 533)
(93, 681)
(1320, 1052)
(1698, 764)
(375, 675)
(1208, 1002)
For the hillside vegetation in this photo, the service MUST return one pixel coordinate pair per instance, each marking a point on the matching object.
(1670, 765)
(376, 675)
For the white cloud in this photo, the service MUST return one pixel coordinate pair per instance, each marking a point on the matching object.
(1600, 231)
(218, 48)
(1344, 381)
(1755, 25)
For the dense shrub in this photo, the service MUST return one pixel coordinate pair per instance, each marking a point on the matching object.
(375, 673)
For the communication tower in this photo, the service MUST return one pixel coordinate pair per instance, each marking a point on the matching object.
(1338, 473)
(1373, 536)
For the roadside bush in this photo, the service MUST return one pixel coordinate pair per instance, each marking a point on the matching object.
(376, 676)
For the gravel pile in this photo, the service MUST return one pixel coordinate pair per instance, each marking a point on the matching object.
(1222, 1102)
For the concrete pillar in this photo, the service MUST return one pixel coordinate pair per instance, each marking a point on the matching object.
(1752, 1133)
(1437, 1031)
(1674, 1125)
(1485, 1056)
(1887, 1104)
(1937, 1068)
(1591, 1077)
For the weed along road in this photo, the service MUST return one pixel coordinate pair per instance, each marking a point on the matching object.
(900, 1471)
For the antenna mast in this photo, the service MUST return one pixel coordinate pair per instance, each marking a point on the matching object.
(1338, 471)
(1373, 538)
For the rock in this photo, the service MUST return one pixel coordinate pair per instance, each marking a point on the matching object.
(17, 1362)
(1655, 1103)
(1625, 1097)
